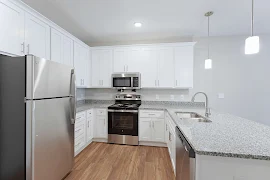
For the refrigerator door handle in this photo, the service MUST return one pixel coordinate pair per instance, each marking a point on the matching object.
(73, 97)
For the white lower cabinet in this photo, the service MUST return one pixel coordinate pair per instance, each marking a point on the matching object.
(80, 132)
(151, 126)
(170, 139)
(101, 129)
(89, 126)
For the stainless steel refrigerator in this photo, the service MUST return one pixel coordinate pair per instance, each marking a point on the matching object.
(37, 116)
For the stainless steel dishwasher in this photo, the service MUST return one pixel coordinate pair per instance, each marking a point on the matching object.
(185, 158)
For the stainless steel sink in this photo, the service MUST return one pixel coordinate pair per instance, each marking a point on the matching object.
(192, 116)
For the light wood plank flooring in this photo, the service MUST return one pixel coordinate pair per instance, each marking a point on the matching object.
(101, 161)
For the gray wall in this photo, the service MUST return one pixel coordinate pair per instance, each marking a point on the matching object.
(242, 78)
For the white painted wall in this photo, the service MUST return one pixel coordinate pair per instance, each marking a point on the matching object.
(242, 78)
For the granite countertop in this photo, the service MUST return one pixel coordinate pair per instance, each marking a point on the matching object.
(226, 135)
(94, 104)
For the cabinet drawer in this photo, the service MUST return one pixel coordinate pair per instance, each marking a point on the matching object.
(80, 115)
(89, 113)
(79, 130)
(101, 112)
(152, 114)
(79, 143)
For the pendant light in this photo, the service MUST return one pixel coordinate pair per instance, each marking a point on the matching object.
(208, 61)
(252, 44)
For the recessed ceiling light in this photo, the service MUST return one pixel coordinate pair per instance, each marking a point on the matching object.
(138, 24)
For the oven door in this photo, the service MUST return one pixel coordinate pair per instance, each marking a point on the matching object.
(122, 82)
(123, 122)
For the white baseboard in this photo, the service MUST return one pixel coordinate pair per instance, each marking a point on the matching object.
(156, 144)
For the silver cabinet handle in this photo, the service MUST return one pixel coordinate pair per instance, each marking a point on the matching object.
(158, 82)
(176, 83)
(149, 124)
(155, 82)
(153, 124)
(78, 130)
(88, 123)
(83, 81)
(151, 114)
(22, 46)
(28, 48)
(102, 82)
(104, 122)
(169, 136)
(166, 127)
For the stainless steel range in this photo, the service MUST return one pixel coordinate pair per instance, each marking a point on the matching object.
(123, 119)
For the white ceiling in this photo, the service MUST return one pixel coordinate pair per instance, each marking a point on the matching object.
(111, 21)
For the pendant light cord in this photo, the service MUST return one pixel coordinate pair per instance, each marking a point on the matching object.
(252, 17)
(208, 37)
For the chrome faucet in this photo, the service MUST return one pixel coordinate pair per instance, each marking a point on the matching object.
(207, 109)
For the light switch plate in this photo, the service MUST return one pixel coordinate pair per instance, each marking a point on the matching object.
(221, 95)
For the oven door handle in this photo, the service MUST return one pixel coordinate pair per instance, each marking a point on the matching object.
(129, 111)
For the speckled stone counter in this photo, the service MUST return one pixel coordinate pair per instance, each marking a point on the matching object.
(226, 135)
(88, 104)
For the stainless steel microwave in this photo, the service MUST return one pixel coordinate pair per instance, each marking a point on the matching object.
(126, 80)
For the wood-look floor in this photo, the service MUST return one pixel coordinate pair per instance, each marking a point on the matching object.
(101, 161)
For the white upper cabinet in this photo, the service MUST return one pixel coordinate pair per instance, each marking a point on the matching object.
(68, 51)
(81, 64)
(183, 66)
(56, 46)
(61, 48)
(101, 68)
(135, 60)
(120, 60)
(37, 37)
(165, 68)
(12, 28)
(149, 68)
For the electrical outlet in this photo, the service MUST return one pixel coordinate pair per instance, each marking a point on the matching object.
(182, 97)
(221, 95)
(157, 97)
(239, 178)
(172, 97)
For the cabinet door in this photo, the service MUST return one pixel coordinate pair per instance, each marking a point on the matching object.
(145, 129)
(149, 68)
(37, 37)
(95, 63)
(78, 64)
(89, 129)
(158, 130)
(68, 51)
(105, 68)
(56, 46)
(120, 59)
(166, 129)
(101, 127)
(84, 65)
(165, 68)
(184, 66)
(135, 60)
(12, 28)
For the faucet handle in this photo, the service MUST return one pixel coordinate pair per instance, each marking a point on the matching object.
(208, 112)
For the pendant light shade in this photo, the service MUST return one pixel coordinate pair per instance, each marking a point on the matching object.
(252, 44)
(208, 61)
(208, 64)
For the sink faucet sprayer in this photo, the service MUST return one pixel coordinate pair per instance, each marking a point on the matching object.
(207, 109)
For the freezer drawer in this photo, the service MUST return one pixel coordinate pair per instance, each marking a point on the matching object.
(52, 139)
